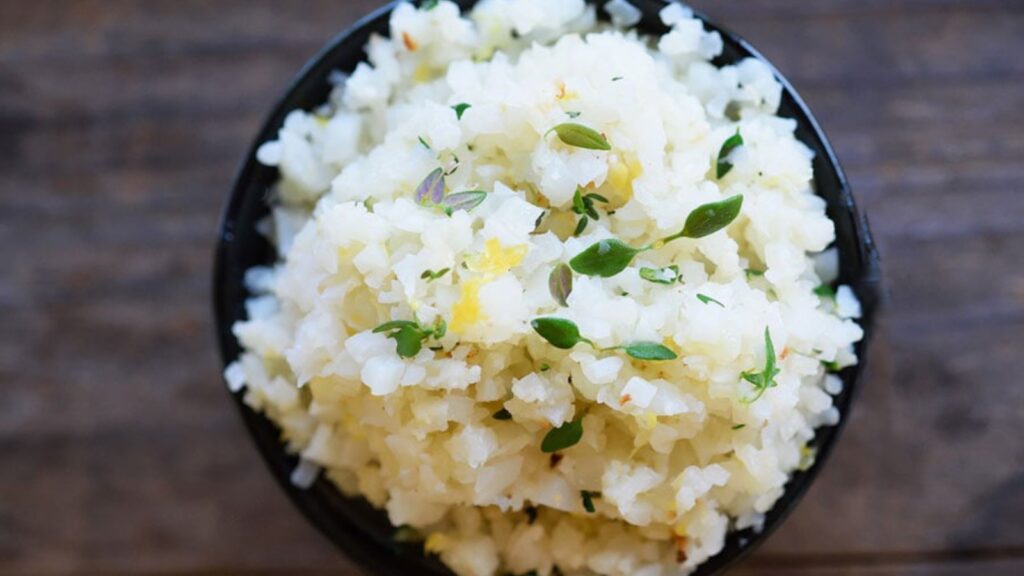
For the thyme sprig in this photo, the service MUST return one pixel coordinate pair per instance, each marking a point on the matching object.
(606, 258)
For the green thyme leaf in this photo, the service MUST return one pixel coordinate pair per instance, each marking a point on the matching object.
(709, 218)
(463, 201)
(424, 143)
(428, 5)
(565, 436)
(708, 299)
(723, 165)
(649, 351)
(409, 341)
(605, 258)
(751, 273)
(409, 336)
(560, 283)
(825, 291)
(394, 325)
(581, 136)
(616, 79)
(559, 332)
(431, 190)
(831, 366)
(460, 109)
(739, 426)
(440, 329)
(581, 226)
(502, 414)
(573, 115)
(665, 276)
(577, 202)
(588, 500)
(430, 275)
(765, 379)
(545, 367)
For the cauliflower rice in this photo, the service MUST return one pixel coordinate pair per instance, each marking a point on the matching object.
(447, 436)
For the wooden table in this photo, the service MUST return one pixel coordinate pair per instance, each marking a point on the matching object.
(121, 123)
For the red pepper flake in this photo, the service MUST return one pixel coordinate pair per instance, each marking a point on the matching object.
(410, 44)
(556, 458)
(680, 548)
(625, 399)
(785, 352)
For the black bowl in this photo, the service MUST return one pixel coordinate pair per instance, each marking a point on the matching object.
(363, 532)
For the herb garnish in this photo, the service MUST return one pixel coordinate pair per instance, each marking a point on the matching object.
(708, 299)
(588, 500)
(424, 143)
(616, 79)
(581, 136)
(428, 5)
(583, 204)
(565, 436)
(460, 109)
(560, 333)
(502, 414)
(544, 367)
(739, 426)
(565, 334)
(667, 276)
(751, 273)
(831, 365)
(463, 201)
(825, 291)
(607, 258)
(765, 379)
(573, 114)
(647, 351)
(430, 275)
(431, 193)
(409, 335)
(560, 283)
(723, 166)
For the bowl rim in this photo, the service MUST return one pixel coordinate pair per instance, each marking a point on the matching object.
(345, 532)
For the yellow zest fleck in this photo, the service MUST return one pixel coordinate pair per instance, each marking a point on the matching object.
(467, 310)
(618, 175)
(422, 74)
(436, 543)
(320, 120)
(623, 170)
(410, 44)
(494, 261)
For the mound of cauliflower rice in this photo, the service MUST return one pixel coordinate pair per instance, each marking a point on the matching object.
(555, 295)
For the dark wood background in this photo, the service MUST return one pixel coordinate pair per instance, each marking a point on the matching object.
(121, 124)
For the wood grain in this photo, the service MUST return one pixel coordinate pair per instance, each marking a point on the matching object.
(122, 121)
